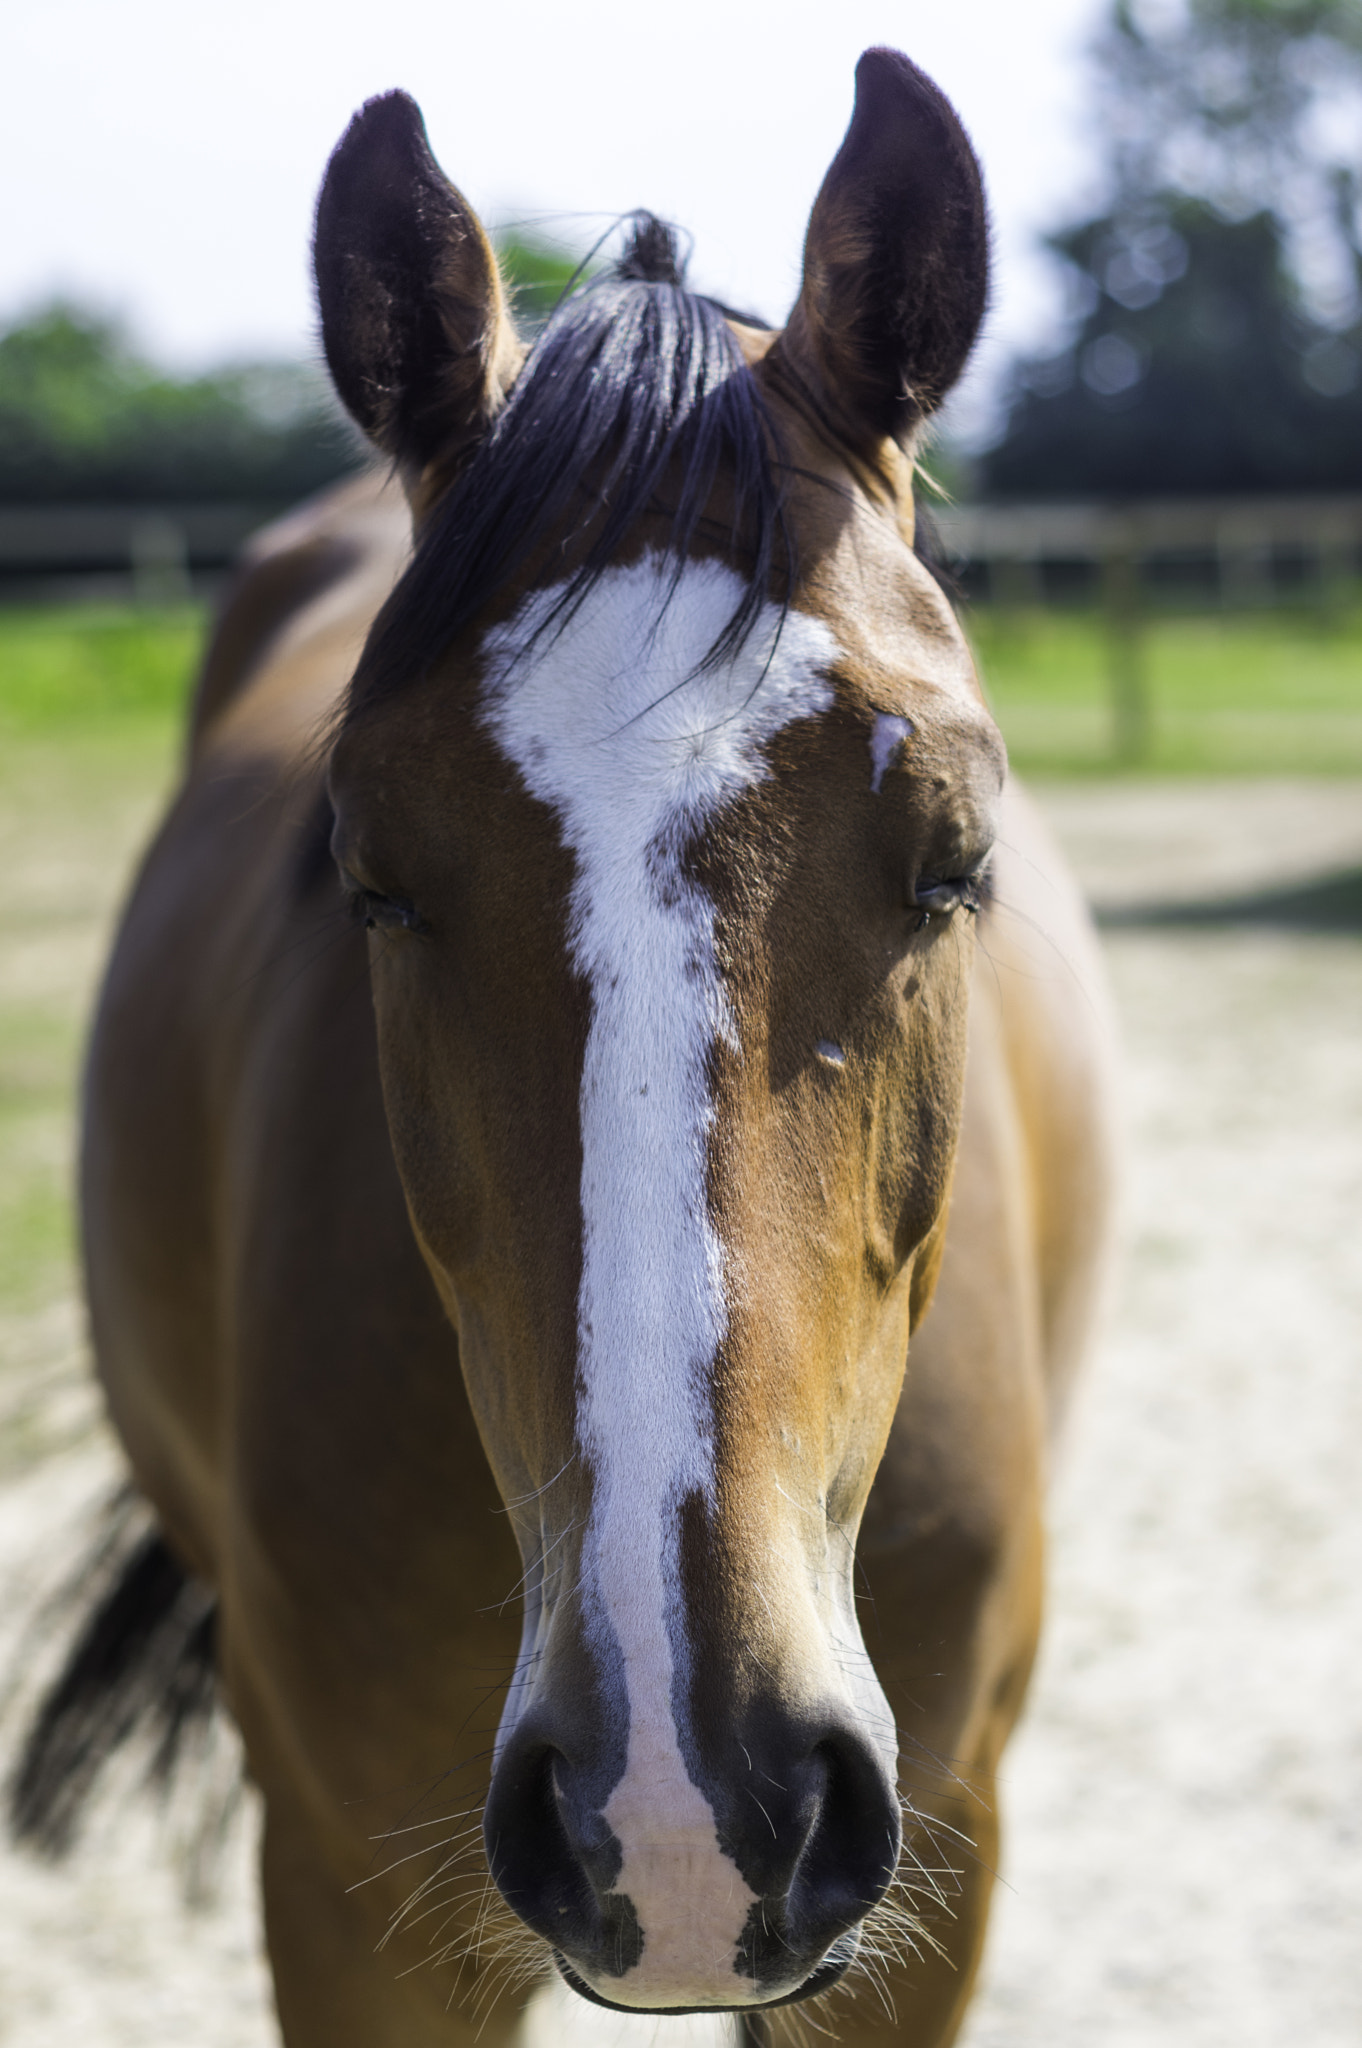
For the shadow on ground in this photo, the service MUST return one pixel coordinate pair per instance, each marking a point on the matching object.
(1328, 903)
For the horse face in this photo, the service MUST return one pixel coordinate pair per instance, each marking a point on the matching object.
(670, 962)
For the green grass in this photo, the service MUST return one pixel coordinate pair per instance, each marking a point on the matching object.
(67, 670)
(38, 1055)
(91, 711)
(1276, 693)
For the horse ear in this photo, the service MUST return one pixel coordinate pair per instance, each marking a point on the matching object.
(895, 260)
(414, 321)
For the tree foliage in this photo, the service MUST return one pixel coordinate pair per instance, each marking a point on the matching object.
(1216, 332)
(537, 272)
(84, 417)
(1196, 369)
(1254, 106)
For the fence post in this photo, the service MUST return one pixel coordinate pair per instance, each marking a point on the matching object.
(1335, 562)
(1132, 721)
(1244, 565)
(1015, 582)
(158, 554)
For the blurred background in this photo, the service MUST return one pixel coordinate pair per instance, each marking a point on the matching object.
(1149, 495)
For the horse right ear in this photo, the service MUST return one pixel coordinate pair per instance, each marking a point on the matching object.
(895, 261)
(417, 335)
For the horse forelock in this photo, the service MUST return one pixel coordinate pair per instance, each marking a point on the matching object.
(635, 401)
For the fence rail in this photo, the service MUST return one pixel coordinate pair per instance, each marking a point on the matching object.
(152, 552)
(1028, 531)
(1244, 549)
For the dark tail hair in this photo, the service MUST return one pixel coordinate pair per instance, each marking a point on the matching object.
(143, 1663)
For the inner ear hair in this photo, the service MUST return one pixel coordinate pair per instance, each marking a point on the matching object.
(415, 326)
(895, 261)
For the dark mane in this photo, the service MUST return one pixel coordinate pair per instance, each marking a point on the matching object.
(635, 398)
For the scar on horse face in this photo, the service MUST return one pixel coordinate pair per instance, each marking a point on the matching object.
(677, 1193)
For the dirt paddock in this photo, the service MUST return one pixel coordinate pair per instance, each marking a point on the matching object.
(1184, 1853)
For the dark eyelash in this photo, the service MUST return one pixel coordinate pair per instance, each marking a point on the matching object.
(382, 913)
(940, 896)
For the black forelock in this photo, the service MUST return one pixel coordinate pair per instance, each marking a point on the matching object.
(635, 399)
(651, 253)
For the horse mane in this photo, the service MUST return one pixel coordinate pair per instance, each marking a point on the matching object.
(634, 398)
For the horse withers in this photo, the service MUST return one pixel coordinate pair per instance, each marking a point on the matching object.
(593, 995)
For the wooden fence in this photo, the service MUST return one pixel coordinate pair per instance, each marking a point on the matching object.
(1130, 559)
(153, 553)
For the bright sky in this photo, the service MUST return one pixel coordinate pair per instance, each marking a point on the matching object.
(162, 158)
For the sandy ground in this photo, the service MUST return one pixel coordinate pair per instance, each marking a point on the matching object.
(1184, 1861)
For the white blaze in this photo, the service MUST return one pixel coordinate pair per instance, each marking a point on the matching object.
(612, 723)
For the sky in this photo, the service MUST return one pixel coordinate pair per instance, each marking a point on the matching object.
(161, 159)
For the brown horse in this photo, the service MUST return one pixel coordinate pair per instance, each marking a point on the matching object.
(503, 1258)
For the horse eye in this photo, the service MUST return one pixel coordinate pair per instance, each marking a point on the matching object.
(381, 913)
(940, 895)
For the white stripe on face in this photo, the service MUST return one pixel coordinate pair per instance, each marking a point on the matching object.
(613, 724)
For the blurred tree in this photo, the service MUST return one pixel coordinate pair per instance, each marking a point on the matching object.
(538, 272)
(1216, 304)
(83, 417)
(1197, 368)
(1252, 105)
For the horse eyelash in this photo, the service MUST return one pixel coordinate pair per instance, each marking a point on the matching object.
(357, 902)
(382, 913)
(969, 893)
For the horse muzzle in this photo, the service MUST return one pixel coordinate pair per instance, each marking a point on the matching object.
(747, 1890)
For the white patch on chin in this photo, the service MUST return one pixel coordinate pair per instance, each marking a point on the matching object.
(557, 2018)
(613, 724)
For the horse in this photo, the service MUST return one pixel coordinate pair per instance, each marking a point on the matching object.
(596, 1154)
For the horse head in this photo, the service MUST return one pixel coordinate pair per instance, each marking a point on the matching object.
(666, 788)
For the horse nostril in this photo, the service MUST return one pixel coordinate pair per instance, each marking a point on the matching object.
(835, 1859)
(554, 1860)
(852, 1849)
(528, 1852)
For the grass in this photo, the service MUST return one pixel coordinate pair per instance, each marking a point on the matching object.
(69, 670)
(1276, 693)
(91, 707)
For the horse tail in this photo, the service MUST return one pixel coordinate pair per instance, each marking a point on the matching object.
(142, 1664)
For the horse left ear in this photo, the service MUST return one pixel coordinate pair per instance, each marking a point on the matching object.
(895, 260)
(414, 321)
